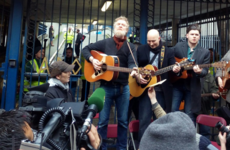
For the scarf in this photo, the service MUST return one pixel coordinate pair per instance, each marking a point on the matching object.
(157, 49)
(56, 82)
(119, 42)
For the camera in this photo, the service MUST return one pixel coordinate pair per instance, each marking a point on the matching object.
(224, 129)
(60, 124)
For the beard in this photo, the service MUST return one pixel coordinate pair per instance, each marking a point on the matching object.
(119, 34)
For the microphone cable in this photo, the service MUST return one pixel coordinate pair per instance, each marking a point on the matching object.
(47, 113)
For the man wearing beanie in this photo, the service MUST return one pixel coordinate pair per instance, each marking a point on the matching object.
(172, 131)
(34, 67)
(60, 73)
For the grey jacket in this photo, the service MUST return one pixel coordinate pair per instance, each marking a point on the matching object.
(219, 72)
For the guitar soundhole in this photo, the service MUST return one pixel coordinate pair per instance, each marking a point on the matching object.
(104, 67)
(146, 78)
(97, 72)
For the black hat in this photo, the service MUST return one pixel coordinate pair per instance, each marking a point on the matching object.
(58, 67)
(37, 49)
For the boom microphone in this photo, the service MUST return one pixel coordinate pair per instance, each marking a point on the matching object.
(96, 103)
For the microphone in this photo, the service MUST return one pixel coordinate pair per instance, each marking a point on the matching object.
(97, 98)
(96, 103)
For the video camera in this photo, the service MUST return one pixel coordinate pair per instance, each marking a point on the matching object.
(223, 129)
(60, 124)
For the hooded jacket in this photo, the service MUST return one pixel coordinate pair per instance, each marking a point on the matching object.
(58, 90)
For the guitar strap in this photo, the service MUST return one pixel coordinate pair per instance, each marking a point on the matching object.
(153, 58)
(132, 55)
(162, 54)
(133, 60)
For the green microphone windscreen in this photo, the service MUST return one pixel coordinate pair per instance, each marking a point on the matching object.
(97, 98)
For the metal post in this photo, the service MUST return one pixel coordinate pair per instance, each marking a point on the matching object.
(14, 51)
(143, 20)
(4, 65)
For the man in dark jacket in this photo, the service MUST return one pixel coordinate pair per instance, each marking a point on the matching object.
(209, 87)
(78, 43)
(60, 73)
(156, 54)
(51, 35)
(115, 90)
(190, 89)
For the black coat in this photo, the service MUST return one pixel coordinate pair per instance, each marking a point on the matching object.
(143, 60)
(201, 56)
(59, 92)
(78, 40)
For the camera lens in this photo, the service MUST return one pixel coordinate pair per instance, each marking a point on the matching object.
(221, 127)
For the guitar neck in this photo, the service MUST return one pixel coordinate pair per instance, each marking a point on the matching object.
(206, 94)
(201, 66)
(119, 69)
(163, 70)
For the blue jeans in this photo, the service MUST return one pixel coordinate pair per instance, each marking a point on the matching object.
(205, 131)
(121, 98)
(182, 93)
(145, 111)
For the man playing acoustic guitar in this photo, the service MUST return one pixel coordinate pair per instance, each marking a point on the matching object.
(190, 89)
(116, 90)
(156, 54)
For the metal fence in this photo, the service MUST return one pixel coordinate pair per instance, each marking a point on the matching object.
(170, 17)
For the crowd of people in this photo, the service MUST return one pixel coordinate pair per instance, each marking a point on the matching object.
(175, 130)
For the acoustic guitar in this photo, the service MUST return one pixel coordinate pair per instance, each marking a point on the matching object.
(186, 75)
(109, 70)
(221, 92)
(137, 89)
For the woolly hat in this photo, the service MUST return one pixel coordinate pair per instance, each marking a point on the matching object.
(174, 131)
(37, 49)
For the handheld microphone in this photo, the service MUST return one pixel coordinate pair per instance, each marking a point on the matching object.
(96, 103)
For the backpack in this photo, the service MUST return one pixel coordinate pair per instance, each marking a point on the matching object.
(82, 38)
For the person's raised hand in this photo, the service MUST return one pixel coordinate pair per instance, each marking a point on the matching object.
(152, 95)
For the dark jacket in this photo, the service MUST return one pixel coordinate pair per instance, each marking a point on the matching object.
(201, 56)
(108, 46)
(79, 36)
(208, 85)
(51, 32)
(57, 90)
(143, 60)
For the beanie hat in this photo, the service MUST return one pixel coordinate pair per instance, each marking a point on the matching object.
(174, 131)
(37, 49)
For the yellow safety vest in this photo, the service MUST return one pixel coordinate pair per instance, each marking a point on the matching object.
(69, 37)
(33, 83)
